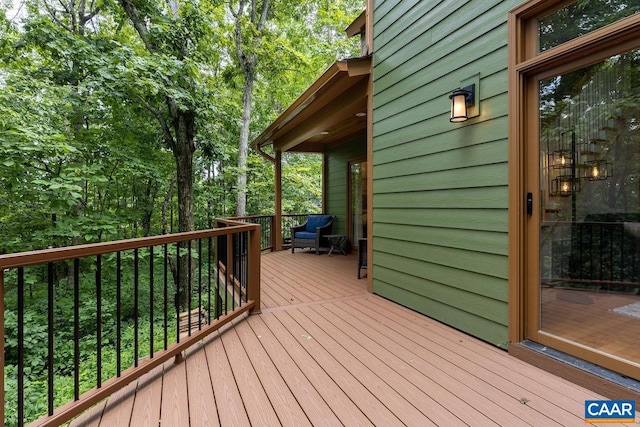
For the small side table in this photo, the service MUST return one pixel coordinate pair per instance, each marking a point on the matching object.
(337, 242)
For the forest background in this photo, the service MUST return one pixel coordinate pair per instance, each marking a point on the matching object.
(98, 97)
(131, 118)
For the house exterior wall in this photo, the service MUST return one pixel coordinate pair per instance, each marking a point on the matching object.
(440, 234)
(337, 185)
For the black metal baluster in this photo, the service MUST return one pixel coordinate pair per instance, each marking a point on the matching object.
(217, 270)
(99, 320)
(151, 302)
(601, 254)
(50, 337)
(118, 313)
(634, 260)
(611, 253)
(190, 290)
(209, 282)
(234, 260)
(177, 301)
(20, 346)
(622, 253)
(240, 269)
(580, 251)
(246, 267)
(166, 294)
(76, 328)
(199, 283)
(591, 252)
(136, 284)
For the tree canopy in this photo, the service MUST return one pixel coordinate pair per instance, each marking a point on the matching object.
(122, 118)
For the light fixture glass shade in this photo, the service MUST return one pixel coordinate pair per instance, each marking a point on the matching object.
(565, 185)
(458, 105)
(598, 170)
(561, 159)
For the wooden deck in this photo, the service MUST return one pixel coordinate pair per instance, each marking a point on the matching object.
(326, 353)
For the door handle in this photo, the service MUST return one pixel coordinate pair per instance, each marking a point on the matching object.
(529, 204)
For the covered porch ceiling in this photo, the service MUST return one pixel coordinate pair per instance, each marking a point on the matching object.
(331, 111)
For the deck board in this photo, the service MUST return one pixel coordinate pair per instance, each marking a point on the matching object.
(146, 407)
(282, 399)
(257, 403)
(229, 403)
(202, 403)
(407, 360)
(310, 400)
(443, 372)
(359, 394)
(117, 411)
(174, 411)
(324, 352)
(339, 401)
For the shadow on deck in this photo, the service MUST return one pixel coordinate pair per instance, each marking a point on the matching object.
(325, 352)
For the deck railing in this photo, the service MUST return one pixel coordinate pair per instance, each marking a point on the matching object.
(126, 306)
(266, 222)
(594, 255)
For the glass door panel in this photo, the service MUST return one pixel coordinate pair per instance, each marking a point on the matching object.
(590, 210)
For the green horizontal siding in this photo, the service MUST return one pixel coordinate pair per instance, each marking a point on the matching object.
(452, 198)
(463, 157)
(472, 177)
(422, 254)
(493, 243)
(466, 219)
(337, 180)
(490, 331)
(440, 189)
(462, 299)
(410, 141)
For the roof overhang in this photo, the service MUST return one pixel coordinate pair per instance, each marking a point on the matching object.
(357, 26)
(331, 111)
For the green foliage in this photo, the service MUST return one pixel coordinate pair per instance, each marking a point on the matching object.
(84, 156)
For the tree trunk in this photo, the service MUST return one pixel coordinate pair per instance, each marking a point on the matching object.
(243, 146)
(248, 64)
(180, 137)
(184, 125)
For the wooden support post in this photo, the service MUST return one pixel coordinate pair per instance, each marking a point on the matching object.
(254, 269)
(277, 220)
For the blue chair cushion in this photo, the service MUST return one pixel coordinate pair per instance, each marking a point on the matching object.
(305, 235)
(314, 221)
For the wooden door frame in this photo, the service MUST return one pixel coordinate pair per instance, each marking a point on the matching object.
(526, 67)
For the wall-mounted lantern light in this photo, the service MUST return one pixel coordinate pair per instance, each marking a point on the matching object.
(461, 100)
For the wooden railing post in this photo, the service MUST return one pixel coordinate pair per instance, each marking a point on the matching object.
(277, 229)
(254, 269)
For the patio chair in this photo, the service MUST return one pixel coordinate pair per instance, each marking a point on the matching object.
(310, 234)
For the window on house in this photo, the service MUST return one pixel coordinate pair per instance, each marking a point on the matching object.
(581, 18)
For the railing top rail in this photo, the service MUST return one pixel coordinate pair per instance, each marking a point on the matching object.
(590, 223)
(238, 218)
(24, 259)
